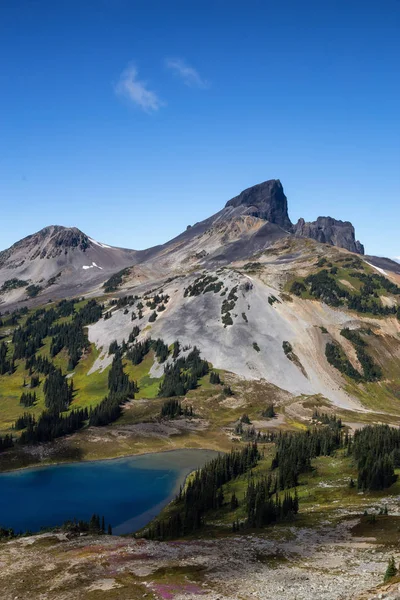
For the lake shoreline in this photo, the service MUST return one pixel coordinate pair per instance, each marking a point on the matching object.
(129, 495)
(38, 465)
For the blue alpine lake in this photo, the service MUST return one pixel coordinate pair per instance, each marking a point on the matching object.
(129, 492)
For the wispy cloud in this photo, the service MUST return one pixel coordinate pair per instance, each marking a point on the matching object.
(188, 74)
(130, 87)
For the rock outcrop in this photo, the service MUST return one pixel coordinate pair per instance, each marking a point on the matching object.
(265, 201)
(330, 231)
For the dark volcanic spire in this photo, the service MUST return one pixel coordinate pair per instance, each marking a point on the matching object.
(266, 201)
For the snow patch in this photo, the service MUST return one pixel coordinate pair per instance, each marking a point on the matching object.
(377, 268)
(91, 266)
(99, 244)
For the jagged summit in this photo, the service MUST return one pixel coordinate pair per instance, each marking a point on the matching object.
(330, 231)
(266, 201)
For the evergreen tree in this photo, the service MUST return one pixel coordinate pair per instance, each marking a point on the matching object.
(215, 378)
(391, 570)
(234, 501)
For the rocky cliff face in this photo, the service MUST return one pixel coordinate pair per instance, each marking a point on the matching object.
(265, 201)
(330, 231)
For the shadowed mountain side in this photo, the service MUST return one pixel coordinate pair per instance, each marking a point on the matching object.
(209, 244)
(386, 264)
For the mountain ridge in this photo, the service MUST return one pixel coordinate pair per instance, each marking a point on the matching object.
(72, 262)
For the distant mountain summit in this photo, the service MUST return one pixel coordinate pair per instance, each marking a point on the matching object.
(57, 259)
(49, 242)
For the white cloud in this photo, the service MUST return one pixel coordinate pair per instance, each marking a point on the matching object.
(188, 74)
(136, 91)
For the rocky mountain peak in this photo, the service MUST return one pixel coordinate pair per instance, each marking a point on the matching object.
(266, 201)
(69, 237)
(49, 242)
(55, 236)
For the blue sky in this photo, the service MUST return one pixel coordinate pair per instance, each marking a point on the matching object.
(132, 119)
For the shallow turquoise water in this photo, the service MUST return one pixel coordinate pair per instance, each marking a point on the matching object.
(128, 491)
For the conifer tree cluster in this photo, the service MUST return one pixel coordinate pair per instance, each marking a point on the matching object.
(133, 334)
(161, 350)
(25, 420)
(72, 335)
(215, 378)
(202, 285)
(336, 357)
(94, 525)
(6, 364)
(118, 380)
(6, 442)
(57, 389)
(7, 534)
(265, 507)
(204, 492)
(107, 411)
(28, 339)
(40, 364)
(138, 351)
(173, 408)
(158, 301)
(27, 399)
(51, 425)
(330, 420)
(115, 280)
(294, 452)
(58, 393)
(269, 412)
(66, 308)
(113, 347)
(13, 318)
(124, 301)
(371, 371)
(251, 434)
(325, 287)
(182, 375)
(120, 390)
(375, 449)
